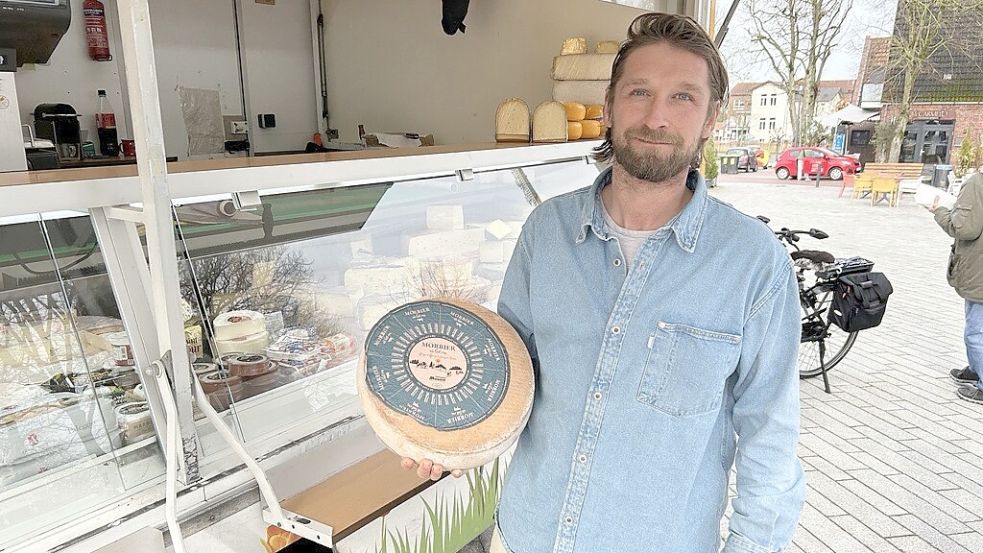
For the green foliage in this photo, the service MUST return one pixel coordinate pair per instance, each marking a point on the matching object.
(450, 525)
(967, 155)
(711, 163)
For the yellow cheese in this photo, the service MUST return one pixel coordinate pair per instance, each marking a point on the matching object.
(607, 47)
(595, 112)
(583, 67)
(575, 111)
(549, 123)
(574, 130)
(512, 121)
(572, 46)
(591, 128)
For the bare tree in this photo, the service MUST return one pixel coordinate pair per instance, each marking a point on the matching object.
(776, 33)
(798, 37)
(924, 30)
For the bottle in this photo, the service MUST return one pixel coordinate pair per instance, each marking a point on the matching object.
(106, 124)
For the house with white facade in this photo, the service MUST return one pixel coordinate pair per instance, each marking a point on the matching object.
(769, 121)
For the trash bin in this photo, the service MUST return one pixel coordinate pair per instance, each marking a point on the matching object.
(728, 164)
(941, 177)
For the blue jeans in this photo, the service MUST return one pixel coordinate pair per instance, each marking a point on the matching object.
(974, 338)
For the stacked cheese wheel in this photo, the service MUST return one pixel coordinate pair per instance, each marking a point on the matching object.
(584, 121)
(445, 380)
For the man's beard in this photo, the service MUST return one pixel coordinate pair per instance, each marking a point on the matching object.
(652, 166)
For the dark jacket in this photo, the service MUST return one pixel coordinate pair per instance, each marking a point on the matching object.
(964, 222)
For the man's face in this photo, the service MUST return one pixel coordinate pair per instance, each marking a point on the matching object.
(659, 111)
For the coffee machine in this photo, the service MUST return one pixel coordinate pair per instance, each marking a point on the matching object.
(59, 123)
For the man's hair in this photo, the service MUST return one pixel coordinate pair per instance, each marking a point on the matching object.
(677, 30)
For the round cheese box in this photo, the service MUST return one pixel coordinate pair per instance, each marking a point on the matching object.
(446, 380)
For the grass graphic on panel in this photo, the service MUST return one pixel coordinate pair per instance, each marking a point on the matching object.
(450, 525)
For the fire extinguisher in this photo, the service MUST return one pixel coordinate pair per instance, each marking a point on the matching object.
(96, 37)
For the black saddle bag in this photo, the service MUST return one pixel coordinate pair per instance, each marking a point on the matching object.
(859, 301)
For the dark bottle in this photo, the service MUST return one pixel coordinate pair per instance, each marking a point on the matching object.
(106, 124)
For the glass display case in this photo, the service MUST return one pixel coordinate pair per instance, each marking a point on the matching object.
(278, 294)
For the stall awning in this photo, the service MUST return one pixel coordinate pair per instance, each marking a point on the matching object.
(849, 114)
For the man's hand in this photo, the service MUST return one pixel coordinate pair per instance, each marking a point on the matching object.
(935, 204)
(427, 469)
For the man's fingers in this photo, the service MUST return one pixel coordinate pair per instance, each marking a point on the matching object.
(457, 473)
(436, 472)
(407, 463)
(423, 470)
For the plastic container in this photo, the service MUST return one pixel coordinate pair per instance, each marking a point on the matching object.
(120, 348)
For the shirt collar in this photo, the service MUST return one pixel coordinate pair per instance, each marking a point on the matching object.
(685, 227)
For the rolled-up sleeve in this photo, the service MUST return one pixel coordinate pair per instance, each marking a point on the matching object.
(770, 481)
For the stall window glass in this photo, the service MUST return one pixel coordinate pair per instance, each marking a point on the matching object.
(75, 431)
(860, 138)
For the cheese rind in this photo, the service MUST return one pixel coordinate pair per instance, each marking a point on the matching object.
(585, 92)
(594, 112)
(583, 67)
(574, 130)
(591, 129)
(575, 111)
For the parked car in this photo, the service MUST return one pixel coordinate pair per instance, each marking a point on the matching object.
(746, 158)
(828, 163)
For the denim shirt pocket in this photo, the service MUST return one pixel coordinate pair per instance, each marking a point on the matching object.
(686, 369)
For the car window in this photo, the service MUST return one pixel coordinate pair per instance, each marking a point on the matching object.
(795, 154)
(813, 153)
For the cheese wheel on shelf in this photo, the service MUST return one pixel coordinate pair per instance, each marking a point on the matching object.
(446, 380)
(512, 121)
(590, 128)
(549, 123)
(583, 67)
(576, 45)
(574, 130)
(236, 324)
(607, 47)
(585, 92)
(594, 111)
(575, 111)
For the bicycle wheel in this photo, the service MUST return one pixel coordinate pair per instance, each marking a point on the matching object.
(838, 341)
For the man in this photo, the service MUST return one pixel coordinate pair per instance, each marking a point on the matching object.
(964, 222)
(664, 324)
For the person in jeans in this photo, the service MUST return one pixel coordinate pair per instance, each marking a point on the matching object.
(664, 327)
(964, 222)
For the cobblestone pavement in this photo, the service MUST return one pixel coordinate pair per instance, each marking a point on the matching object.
(893, 460)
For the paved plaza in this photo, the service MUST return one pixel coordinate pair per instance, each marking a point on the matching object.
(894, 461)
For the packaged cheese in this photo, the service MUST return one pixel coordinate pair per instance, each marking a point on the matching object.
(236, 324)
(577, 45)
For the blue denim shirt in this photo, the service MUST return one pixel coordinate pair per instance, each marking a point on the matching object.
(646, 379)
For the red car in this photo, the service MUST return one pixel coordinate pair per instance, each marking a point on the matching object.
(828, 163)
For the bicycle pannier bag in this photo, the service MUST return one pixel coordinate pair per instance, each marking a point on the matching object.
(859, 301)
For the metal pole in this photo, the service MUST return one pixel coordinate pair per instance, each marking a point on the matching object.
(719, 39)
(141, 81)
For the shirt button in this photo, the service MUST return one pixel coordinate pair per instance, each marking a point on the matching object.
(597, 395)
(617, 261)
(616, 329)
(582, 458)
(568, 521)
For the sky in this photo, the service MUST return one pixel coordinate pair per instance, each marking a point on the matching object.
(867, 18)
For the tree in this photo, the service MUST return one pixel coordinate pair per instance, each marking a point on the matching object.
(711, 165)
(967, 155)
(924, 29)
(797, 37)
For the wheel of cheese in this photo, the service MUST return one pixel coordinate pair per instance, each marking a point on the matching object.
(590, 128)
(512, 121)
(583, 67)
(575, 111)
(575, 130)
(594, 111)
(577, 45)
(237, 324)
(549, 123)
(446, 380)
(607, 47)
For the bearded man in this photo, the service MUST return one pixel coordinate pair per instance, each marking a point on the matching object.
(664, 328)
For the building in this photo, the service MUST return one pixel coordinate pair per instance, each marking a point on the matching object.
(735, 121)
(769, 119)
(833, 96)
(948, 95)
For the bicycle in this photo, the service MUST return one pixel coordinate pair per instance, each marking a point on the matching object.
(817, 273)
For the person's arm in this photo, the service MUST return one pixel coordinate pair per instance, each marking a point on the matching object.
(514, 301)
(965, 220)
(770, 481)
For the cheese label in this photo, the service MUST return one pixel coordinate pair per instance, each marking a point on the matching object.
(437, 363)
